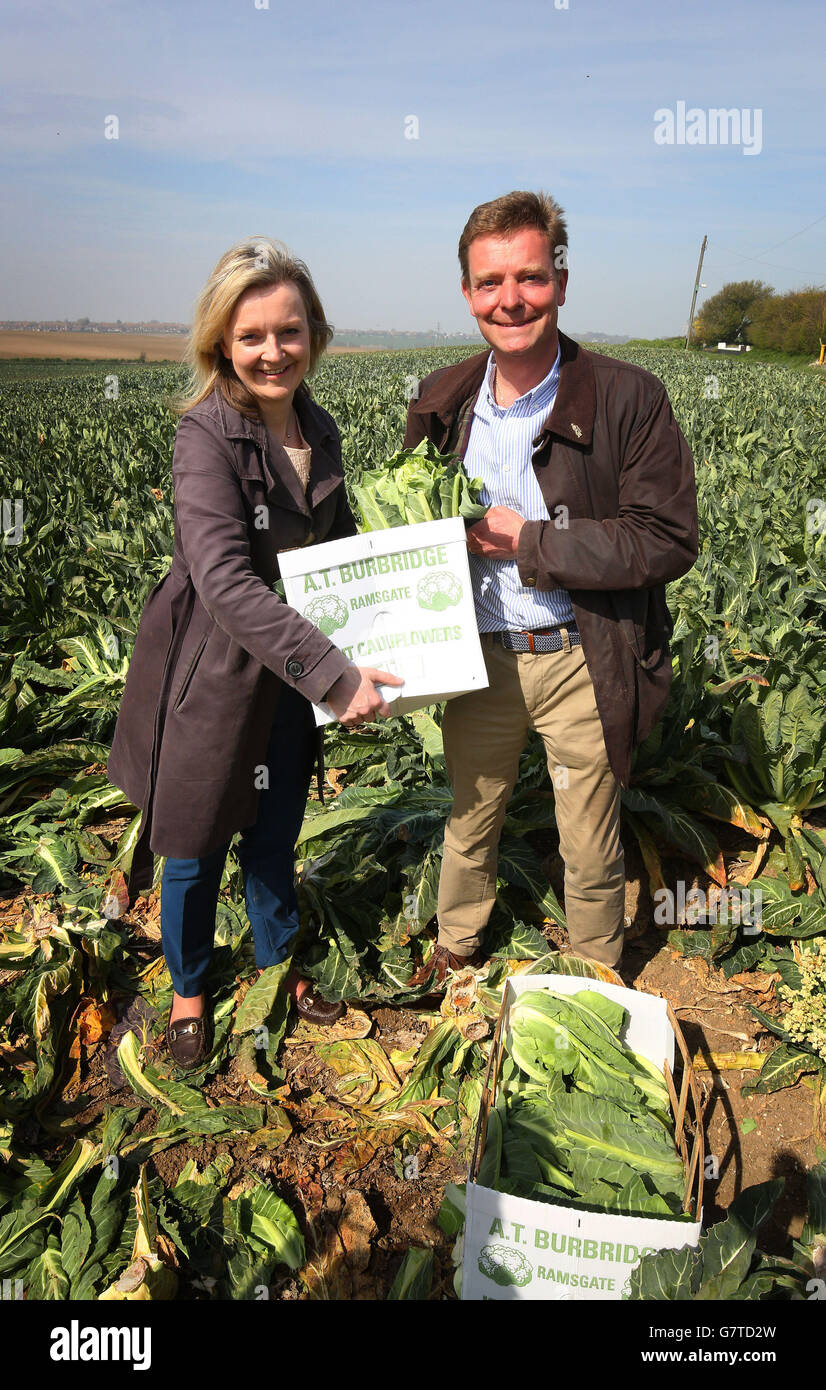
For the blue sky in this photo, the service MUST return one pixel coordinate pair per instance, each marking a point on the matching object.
(289, 121)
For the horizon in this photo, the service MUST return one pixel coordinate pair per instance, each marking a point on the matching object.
(175, 329)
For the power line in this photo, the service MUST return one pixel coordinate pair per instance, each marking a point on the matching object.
(822, 218)
(758, 260)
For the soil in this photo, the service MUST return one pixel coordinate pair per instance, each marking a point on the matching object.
(362, 1206)
(106, 347)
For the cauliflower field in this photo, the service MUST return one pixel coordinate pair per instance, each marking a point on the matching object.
(275, 1163)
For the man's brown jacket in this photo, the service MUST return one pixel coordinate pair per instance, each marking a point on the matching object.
(617, 477)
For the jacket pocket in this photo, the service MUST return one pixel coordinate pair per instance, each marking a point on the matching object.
(190, 672)
(645, 622)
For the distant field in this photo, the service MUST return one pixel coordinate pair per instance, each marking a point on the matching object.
(109, 347)
(126, 347)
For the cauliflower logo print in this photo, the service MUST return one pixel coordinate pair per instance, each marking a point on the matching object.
(504, 1265)
(438, 591)
(328, 613)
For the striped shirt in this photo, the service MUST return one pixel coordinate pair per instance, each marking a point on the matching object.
(499, 452)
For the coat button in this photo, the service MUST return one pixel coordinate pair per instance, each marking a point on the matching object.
(295, 668)
(530, 582)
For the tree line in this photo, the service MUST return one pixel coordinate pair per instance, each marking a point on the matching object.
(749, 311)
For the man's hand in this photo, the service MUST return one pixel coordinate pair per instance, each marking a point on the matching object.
(496, 536)
(354, 699)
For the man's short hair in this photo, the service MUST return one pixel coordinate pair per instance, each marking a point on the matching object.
(511, 213)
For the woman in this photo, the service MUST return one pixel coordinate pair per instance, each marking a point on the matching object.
(215, 732)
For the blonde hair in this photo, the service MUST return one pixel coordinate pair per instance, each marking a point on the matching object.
(509, 214)
(259, 261)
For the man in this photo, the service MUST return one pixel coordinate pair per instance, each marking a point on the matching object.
(592, 510)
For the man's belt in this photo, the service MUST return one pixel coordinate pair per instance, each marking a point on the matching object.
(543, 639)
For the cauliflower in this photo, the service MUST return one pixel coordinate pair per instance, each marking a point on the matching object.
(805, 1021)
(504, 1265)
(438, 590)
(328, 613)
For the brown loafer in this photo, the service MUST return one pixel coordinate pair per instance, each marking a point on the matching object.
(311, 1006)
(441, 961)
(189, 1039)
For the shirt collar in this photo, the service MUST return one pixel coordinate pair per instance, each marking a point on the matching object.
(538, 398)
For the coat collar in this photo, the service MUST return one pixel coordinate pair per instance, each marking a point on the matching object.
(280, 475)
(234, 425)
(574, 409)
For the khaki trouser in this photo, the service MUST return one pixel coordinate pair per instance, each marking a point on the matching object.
(484, 734)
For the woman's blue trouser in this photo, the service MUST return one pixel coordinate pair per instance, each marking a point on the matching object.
(266, 852)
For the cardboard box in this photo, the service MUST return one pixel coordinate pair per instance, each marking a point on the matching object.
(399, 600)
(562, 1252)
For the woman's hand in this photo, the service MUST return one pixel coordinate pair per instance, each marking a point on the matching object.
(354, 698)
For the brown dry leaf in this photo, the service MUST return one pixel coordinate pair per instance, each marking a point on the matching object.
(473, 1026)
(325, 1275)
(95, 1021)
(325, 1112)
(761, 981)
(356, 1229)
(353, 1155)
(312, 1196)
(365, 1071)
(745, 875)
(461, 994)
(712, 980)
(335, 776)
(37, 923)
(243, 988)
(73, 1080)
(167, 1250)
(276, 1131)
(245, 1184)
(353, 1024)
(115, 898)
(401, 1041)
(154, 970)
(44, 924)
(411, 1117)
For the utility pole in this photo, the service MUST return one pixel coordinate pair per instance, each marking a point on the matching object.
(696, 287)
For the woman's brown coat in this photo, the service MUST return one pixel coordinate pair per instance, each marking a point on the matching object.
(215, 642)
